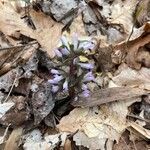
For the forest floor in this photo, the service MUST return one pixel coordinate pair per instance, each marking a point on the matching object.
(74, 75)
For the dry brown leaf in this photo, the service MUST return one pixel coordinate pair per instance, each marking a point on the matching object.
(139, 38)
(143, 57)
(120, 13)
(77, 26)
(17, 56)
(4, 135)
(109, 121)
(67, 145)
(132, 78)
(47, 31)
(13, 141)
(131, 58)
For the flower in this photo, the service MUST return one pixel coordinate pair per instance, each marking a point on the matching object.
(56, 79)
(84, 87)
(86, 93)
(65, 51)
(55, 88)
(86, 65)
(64, 41)
(54, 71)
(65, 85)
(88, 77)
(71, 63)
(75, 41)
(58, 53)
(86, 45)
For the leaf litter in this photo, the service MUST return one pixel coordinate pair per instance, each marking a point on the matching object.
(115, 115)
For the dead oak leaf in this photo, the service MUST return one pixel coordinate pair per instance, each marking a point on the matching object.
(47, 31)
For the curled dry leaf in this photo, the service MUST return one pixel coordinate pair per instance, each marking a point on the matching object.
(131, 58)
(135, 56)
(47, 31)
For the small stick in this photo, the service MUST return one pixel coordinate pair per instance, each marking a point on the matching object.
(10, 90)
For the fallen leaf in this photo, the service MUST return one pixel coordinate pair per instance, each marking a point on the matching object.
(102, 96)
(82, 140)
(13, 140)
(35, 141)
(5, 107)
(47, 31)
(42, 102)
(3, 138)
(139, 38)
(130, 77)
(77, 26)
(119, 18)
(106, 122)
(67, 145)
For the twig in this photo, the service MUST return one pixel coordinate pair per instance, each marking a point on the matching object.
(134, 22)
(134, 145)
(10, 89)
(18, 46)
(138, 117)
(131, 32)
(11, 47)
(125, 143)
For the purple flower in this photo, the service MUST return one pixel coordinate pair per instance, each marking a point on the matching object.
(86, 65)
(65, 85)
(56, 79)
(75, 41)
(58, 53)
(86, 45)
(88, 77)
(64, 51)
(89, 74)
(65, 41)
(54, 71)
(86, 93)
(55, 88)
(84, 87)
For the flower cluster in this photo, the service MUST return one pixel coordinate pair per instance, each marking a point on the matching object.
(71, 74)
